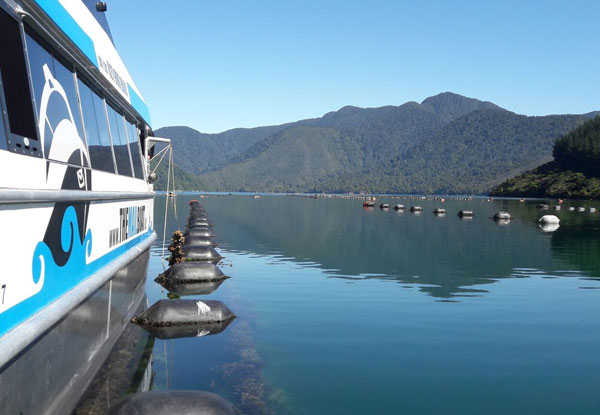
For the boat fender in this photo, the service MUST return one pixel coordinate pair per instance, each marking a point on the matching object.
(198, 232)
(195, 288)
(199, 241)
(173, 402)
(192, 272)
(198, 217)
(199, 224)
(202, 253)
(180, 312)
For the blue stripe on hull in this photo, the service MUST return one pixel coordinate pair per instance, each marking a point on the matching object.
(59, 280)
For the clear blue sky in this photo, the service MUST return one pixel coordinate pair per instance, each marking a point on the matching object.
(220, 64)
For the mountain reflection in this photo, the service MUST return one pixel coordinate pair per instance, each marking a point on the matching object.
(444, 256)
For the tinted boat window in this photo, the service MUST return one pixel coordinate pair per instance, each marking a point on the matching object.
(15, 80)
(95, 129)
(119, 139)
(134, 149)
(2, 130)
(56, 104)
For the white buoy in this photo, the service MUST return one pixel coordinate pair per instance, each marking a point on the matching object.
(549, 219)
(549, 227)
(502, 216)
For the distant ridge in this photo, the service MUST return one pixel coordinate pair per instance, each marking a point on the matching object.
(446, 144)
(573, 174)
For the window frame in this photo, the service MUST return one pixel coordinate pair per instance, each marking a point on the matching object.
(118, 114)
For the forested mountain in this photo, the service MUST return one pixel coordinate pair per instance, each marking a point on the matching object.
(574, 173)
(183, 179)
(446, 144)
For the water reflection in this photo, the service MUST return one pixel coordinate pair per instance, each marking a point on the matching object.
(446, 256)
(189, 330)
(197, 288)
(310, 275)
(127, 370)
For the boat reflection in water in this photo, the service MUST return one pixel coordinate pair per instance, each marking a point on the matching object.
(127, 370)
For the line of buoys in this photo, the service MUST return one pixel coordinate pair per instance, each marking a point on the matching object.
(193, 271)
(173, 319)
(173, 402)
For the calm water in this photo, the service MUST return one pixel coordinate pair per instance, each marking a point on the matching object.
(343, 310)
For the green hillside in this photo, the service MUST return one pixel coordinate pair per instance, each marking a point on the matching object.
(183, 180)
(446, 144)
(574, 174)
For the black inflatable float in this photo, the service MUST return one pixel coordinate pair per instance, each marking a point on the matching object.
(173, 402)
(199, 225)
(197, 219)
(202, 253)
(167, 313)
(192, 272)
(195, 288)
(197, 232)
(197, 216)
(199, 241)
